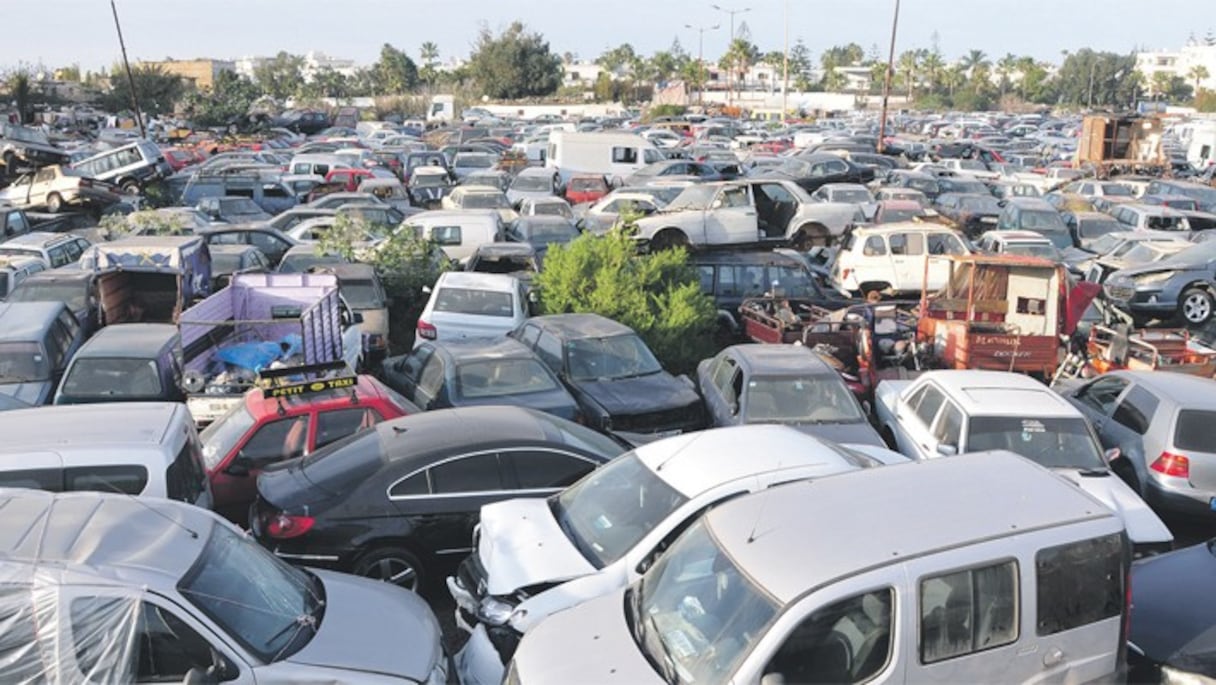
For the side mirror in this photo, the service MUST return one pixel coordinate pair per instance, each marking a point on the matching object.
(239, 467)
(426, 289)
(717, 204)
(946, 450)
(356, 318)
(1112, 455)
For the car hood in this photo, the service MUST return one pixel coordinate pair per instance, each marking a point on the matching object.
(1169, 264)
(32, 393)
(1142, 524)
(395, 630)
(861, 433)
(1171, 618)
(641, 394)
(589, 643)
(521, 544)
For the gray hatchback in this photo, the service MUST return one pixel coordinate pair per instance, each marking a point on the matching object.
(1164, 425)
(1182, 285)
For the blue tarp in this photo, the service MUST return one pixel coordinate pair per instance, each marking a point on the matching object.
(256, 356)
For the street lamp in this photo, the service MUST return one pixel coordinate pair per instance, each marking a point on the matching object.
(700, 57)
(730, 91)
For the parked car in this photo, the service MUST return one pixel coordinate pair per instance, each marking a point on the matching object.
(810, 171)
(1033, 214)
(583, 188)
(973, 214)
(518, 259)
(1183, 285)
(229, 260)
(850, 193)
(232, 210)
(67, 284)
(466, 163)
(1170, 639)
(545, 206)
(759, 589)
(54, 249)
(159, 601)
(472, 305)
(480, 197)
(26, 147)
(273, 243)
(895, 258)
(55, 187)
(14, 271)
(542, 231)
(614, 377)
(946, 413)
(533, 558)
(784, 384)
(129, 362)
(292, 420)
(465, 373)
(1087, 227)
(428, 186)
(459, 233)
(603, 215)
(37, 340)
(1022, 243)
(414, 487)
(533, 182)
(1158, 423)
(305, 257)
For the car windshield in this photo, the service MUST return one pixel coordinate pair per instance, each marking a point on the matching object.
(542, 184)
(548, 232)
(584, 185)
(805, 399)
(474, 161)
(485, 201)
(111, 377)
(1093, 228)
(274, 609)
(695, 614)
(892, 215)
(1035, 220)
(362, 294)
(981, 205)
(1195, 429)
(1045, 250)
(552, 209)
(472, 301)
(615, 357)
(1116, 190)
(222, 436)
(955, 185)
(1050, 442)
(23, 362)
(430, 181)
(502, 377)
(852, 196)
(1149, 252)
(73, 295)
(611, 509)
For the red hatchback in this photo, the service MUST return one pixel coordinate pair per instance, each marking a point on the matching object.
(586, 188)
(285, 422)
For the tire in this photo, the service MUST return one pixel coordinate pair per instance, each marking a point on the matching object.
(54, 203)
(130, 187)
(667, 239)
(811, 235)
(1195, 306)
(10, 163)
(395, 565)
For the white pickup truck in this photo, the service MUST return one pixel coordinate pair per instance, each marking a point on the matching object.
(944, 413)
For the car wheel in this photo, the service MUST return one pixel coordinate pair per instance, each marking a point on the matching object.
(811, 235)
(1196, 306)
(10, 163)
(668, 238)
(394, 565)
(54, 203)
(130, 187)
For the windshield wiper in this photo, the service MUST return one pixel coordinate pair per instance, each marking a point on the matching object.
(662, 661)
(1093, 472)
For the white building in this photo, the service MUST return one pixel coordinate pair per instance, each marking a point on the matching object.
(1179, 63)
(313, 62)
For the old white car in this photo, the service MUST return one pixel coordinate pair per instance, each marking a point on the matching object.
(55, 187)
(747, 212)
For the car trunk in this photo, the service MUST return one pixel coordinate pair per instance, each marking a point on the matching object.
(131, 296)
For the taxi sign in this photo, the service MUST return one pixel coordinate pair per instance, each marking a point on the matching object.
(309, 387)
(279, 382)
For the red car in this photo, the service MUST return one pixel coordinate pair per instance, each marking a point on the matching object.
(179, 158)
(586, 188)
(287, 421)
(350, 179)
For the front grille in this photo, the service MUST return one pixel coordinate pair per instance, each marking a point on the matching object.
(1119, 293)
(681, 418)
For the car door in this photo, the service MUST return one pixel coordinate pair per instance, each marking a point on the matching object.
(1126, 428)
(43, 185)
(1097, 401)
(19, 192)
(234, 481)
(914, 418)
(442, 519)
(403, 374)
(731, 218)
(722, 397)
(907, 260)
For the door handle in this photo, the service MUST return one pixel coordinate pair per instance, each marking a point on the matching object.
(1053, 657)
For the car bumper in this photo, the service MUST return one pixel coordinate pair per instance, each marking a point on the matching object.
(478, 663)
(1180, 498)
(206, 409)
(1141, 300)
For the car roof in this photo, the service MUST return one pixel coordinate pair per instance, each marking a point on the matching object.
(442, 430)
(27, 321)
(782, 539)
(695, 462)
(91, 425)
(1190, 391)
(38, 239)
(102, 536)
(1018, 237)
(767, 360)
(473, 350)
(477, 281)
(70, 273)
(720, 256)
(505, 249)
(125, 340)
(578, 326)
(366, 388)
(1000, 393)
(903, 227)
(1029, 203)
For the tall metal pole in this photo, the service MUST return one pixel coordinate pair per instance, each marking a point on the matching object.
(139, 117)
(886, 83)
(1090, 100)
(730, 92)
(701, 57)
(785, 80)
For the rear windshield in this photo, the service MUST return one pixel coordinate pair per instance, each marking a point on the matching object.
(341, 466)
(502, 377)
(23, 362)
(470, 301)
(74, 295)
(362, 294)
(1195, 430)
(102, 377)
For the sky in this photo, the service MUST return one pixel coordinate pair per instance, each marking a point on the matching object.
(62, 32)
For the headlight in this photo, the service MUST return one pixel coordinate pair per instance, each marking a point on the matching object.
(1154, 278)
(1171, 676)
(494, 611)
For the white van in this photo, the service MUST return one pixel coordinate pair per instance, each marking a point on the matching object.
(137, 448)
(615, 155)
(892, 258)
(929, 572)
(131, 166)
(458, 232)
(317, 164)
(1201, 149)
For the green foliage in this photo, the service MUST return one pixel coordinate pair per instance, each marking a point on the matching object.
(18, 87)
(227, 102)
(658, 295)
(395, 73)
(515, 64)
(842, 56)
(1205, 100)
(281, 76)
(158, 92)
(665, 111)
(146, 222)
(1114, 79)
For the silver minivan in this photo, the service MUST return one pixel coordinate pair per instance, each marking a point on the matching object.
(943, 571)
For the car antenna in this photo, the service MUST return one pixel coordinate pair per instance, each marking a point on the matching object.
(152, 509)
(751, 537)
(675, 454)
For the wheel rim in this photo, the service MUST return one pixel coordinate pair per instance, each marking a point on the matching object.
(394, 570)
(1197, 308)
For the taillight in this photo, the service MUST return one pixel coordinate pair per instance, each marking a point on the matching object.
(285, 526)
(426, 331)
(1173, 465)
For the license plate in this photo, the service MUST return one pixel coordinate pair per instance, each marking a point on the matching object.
(670, 433)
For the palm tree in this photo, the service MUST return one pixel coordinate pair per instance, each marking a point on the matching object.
(878, 75)
(429, 52)
(1005, 67)
(954, 77)
(973, 60)
(932, 65)
(739, 58)
(1198, 73)
(1024, 66)
(1160, 83)
(907, 66)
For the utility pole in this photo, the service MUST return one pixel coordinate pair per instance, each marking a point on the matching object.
(1092, 68)
(700, 57)
(785, 79)
(730, 92)
(886, 82)
(139, 117)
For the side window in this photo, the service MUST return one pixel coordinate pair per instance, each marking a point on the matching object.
(916, 245)
(75, 249)
(228, 238)
(549, 349)
(949, 426)
(1137, 409)
(167, 648)
(17, 224)
(446, 235)
(930, 401)
(417, 484)
(723, 376)
(899, 243)
(845, 642)
(1079, 583)
(58, 256)
(968, 611)
(335, 425)
(945, 243)
(432, 378)
(128, 479)
(874, 247)
(545, 470)
(412, 364)
(624, 155)
(705, 273)
(268, 244)
(529, 335)
(476, 473)
(728, 284)
(276, 441)
(1102, 393)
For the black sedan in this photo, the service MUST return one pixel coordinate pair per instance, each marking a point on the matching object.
(465, 373)
(399, 501)
(1173, 602)
(813, 170)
